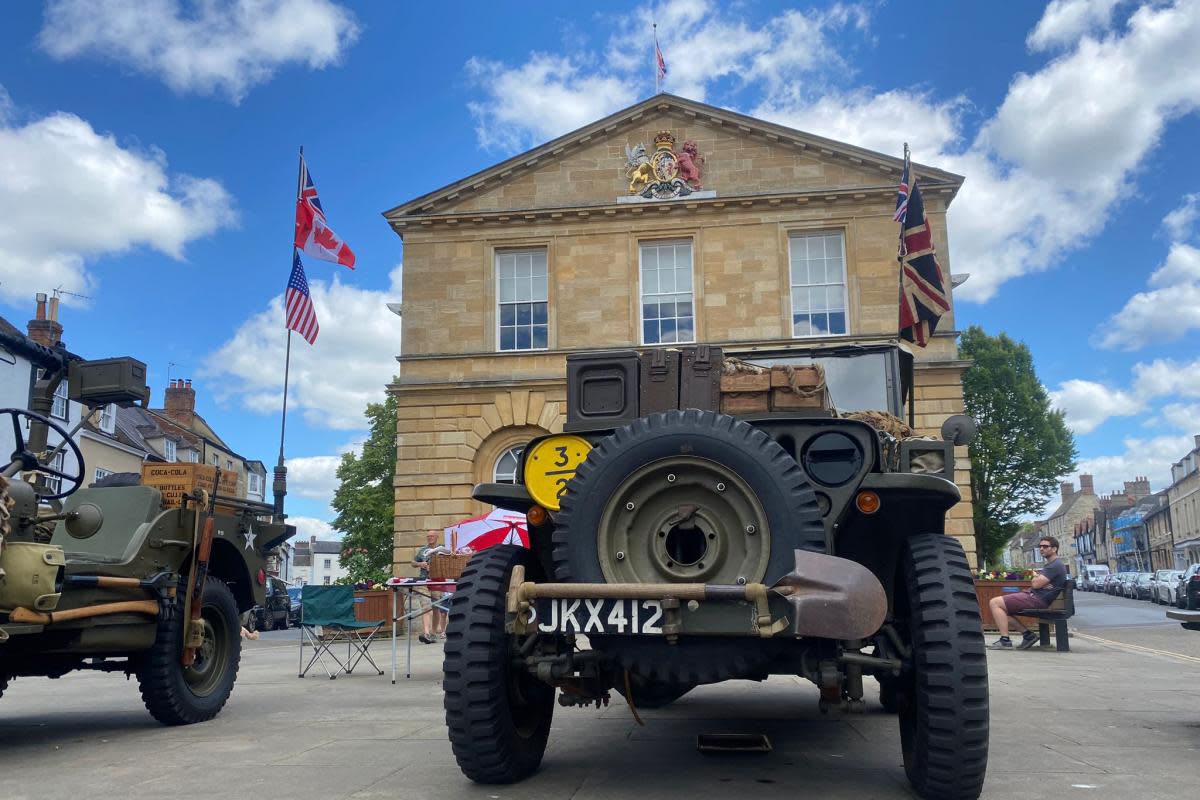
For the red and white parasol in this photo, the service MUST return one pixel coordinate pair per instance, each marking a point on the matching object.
(498, 527)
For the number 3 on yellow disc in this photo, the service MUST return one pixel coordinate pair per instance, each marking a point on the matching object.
(551, 464)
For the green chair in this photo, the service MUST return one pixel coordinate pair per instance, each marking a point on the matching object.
(327, 619)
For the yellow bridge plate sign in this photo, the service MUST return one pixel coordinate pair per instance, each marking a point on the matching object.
(551, 464)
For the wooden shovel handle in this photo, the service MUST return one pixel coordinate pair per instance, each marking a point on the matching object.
(149, 607)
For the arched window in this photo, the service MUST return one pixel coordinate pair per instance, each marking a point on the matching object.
(507, 464)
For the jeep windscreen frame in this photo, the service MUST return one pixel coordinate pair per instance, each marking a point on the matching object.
(860, 378)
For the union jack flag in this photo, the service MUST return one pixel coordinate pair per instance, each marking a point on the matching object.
(313, 234)
(301, 316)
(923, 297)
(902, 196)
(658, 57)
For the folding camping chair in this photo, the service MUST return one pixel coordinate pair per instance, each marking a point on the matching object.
(327, 619)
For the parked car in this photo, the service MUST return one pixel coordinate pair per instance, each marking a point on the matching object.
(1168, 586)
(1142, 590)
(1110, 581)
(276, 609)
(1187, 592)
(1121, 586)
(1129, 584)
(1092, 577)
(294, 611)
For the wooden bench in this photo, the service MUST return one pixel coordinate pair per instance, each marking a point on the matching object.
(1061, 610)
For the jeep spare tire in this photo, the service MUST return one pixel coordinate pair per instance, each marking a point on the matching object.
(686, 497)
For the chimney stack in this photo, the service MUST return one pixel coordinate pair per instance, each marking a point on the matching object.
(1196, 439)
(44, 328)
(1068, 489)
(1085, 485)
(1138, 488)
(180, 404)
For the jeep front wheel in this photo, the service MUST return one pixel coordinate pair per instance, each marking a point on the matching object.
(498, 714)
(178, 695)
(944, 708)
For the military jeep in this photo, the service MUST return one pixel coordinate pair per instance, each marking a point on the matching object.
(673, 545)
(104, 577)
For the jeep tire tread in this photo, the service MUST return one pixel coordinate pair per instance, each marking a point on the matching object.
(498, 717)
(779, 484)
(944, 726)
(169, 690)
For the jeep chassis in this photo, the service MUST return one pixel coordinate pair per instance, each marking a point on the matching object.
(692, 547)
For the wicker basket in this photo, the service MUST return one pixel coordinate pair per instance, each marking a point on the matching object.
(447, 566)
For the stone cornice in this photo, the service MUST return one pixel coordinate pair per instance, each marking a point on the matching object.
(890, 166)
(817, 197)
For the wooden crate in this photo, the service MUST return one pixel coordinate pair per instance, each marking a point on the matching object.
(176, 480)
(744, 403)
(739, 382)
(808, 378)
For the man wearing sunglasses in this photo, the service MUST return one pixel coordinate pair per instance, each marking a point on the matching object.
(1047, 584)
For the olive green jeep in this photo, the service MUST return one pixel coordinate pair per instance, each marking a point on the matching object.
(687, 546)
(104, 577)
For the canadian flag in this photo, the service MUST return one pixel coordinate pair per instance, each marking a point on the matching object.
(313, 236)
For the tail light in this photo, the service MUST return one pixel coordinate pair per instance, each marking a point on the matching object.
(1196, 578)
(262, 577)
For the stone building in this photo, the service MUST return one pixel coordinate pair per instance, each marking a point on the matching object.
(789, 242)
(1158, 534)
(1183, 495)
(1075, 506)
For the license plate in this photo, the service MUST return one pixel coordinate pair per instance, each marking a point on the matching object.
(562, 615)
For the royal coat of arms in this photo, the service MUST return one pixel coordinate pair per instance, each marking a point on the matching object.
(663, 174)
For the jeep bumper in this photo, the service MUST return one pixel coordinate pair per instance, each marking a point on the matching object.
(824, 596)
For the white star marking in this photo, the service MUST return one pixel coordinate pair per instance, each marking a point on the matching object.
(249, 537)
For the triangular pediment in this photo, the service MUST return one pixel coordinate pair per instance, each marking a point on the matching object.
(742, 156)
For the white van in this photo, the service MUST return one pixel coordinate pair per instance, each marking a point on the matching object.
(1093, 577)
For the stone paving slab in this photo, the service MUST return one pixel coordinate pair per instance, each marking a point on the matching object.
(1098, 722)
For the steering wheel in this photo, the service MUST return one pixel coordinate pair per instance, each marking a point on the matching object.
(25, 461)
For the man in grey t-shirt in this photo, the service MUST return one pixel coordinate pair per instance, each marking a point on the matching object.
(1047, 585)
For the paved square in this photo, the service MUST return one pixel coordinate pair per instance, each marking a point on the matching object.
(1098, 722)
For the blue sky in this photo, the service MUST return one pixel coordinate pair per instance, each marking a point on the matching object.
(148, 154)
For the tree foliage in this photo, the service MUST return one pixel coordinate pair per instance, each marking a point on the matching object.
(1023, 446)
(365, 499)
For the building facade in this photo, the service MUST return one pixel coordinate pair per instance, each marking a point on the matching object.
(1074, 508)
(1159, 536)
(1183, 496)
(785, 240)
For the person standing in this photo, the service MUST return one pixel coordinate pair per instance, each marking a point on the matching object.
(434, 610)
(1050, 580)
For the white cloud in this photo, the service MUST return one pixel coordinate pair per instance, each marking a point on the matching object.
(1088, 404)
(703, 44)
(1065, 21)
(226, 46)
(1179, 223)
(313, 477)
(1172, 307)
(1182, 416)
(332, 381)
(71, 194)
(311, 526)
(1165, 376)
(542, 99)
(1151, 457)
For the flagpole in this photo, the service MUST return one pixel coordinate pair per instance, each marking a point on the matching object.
(900, 247)
(656, 58)
(279, 486)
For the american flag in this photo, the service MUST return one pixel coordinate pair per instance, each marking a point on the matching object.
(902, 196)
(923, 296)
(662, 64)
(301, 316)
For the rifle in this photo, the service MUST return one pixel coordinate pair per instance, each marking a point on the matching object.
(193, 632)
